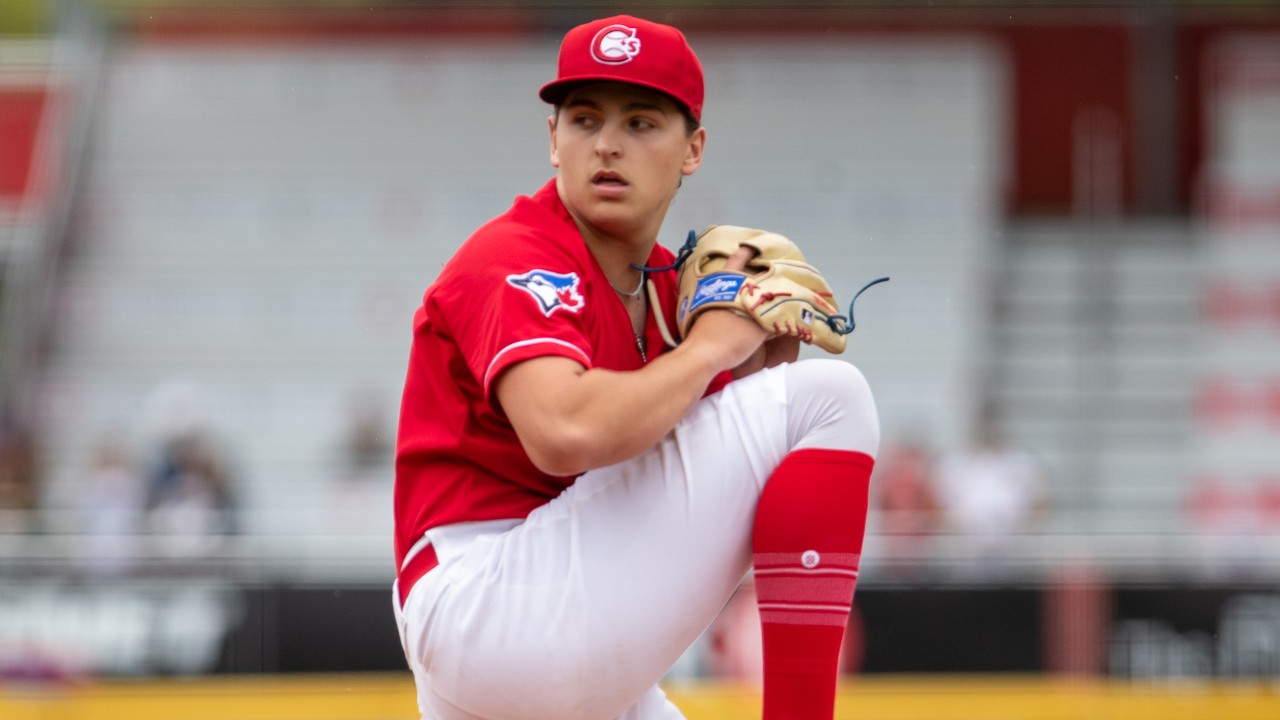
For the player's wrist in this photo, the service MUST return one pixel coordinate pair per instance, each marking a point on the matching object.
(724, 338)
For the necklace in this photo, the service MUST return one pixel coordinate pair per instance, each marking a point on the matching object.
(641, 344)
(633, 293)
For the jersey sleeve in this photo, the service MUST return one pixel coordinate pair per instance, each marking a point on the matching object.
(506, 300)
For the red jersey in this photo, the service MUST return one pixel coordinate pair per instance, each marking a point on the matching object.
(524, 285)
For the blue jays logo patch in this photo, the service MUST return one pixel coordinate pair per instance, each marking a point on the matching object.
(553, 291)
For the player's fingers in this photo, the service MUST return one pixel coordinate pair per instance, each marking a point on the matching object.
(740, 257)
(757, 362)
(781, 349)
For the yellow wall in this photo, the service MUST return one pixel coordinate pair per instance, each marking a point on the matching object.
(390, 697)
(24, 17)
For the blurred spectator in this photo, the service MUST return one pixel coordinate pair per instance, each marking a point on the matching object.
(1226, 515)
(902, 491)
(988, 494)
(173, 408)
(362, 497)
(19, 490)
(111, 510)
(189, 498)
(367, 447)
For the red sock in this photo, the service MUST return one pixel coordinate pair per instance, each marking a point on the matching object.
(807, 544)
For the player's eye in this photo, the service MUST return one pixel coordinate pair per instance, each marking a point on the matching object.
(642, 123)
(584, 120)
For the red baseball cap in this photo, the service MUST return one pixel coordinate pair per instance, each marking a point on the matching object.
(630, 50)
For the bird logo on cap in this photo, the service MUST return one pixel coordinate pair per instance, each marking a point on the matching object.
(615, 45)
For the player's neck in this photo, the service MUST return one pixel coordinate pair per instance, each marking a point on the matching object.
(620, 268)
(618, 256)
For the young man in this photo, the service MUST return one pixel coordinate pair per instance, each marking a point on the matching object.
(575, 500)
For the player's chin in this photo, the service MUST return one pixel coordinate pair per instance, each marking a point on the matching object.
(615, 218)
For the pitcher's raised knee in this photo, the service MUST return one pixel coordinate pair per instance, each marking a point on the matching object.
(830, 405)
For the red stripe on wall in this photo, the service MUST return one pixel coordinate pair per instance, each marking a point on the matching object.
(20, 113)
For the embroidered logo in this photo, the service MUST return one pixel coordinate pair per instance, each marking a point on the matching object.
(714, 288)
(615, 45)
(552, 291)
(718, 286)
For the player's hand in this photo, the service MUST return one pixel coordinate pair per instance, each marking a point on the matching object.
(738, 337)
(773, 351)
(781, 349)
(733, 339)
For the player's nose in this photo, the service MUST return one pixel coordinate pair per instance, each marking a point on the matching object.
(609, 141)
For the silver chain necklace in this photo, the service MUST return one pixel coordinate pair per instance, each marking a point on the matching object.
(633, 293)
(641, 345)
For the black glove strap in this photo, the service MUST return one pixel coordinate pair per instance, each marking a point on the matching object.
(685, 251)
(843, 324)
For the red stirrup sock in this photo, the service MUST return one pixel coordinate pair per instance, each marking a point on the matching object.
(807, 543)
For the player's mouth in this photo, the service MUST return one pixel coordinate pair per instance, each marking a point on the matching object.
(609, 183)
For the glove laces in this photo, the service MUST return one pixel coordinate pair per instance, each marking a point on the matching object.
(685, 251)
(844, 324)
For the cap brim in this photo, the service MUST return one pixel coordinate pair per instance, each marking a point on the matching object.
(556, 91)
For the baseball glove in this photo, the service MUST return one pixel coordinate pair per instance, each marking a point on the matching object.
(778, 289)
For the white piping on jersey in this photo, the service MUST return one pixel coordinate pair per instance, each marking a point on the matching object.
(417, 548)
(525, 343)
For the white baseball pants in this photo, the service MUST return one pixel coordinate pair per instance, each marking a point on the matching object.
(576, 612)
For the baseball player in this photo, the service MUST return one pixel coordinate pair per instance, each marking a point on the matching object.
(597, 442)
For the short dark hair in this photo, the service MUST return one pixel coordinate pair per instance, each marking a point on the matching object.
(691, 123)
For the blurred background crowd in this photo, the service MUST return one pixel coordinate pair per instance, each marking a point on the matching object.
(216, 220)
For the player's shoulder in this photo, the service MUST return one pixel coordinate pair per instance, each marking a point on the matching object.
(538, 222)
(499, 246)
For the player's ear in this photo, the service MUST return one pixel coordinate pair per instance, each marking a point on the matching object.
(693, 157)
(555, 153)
